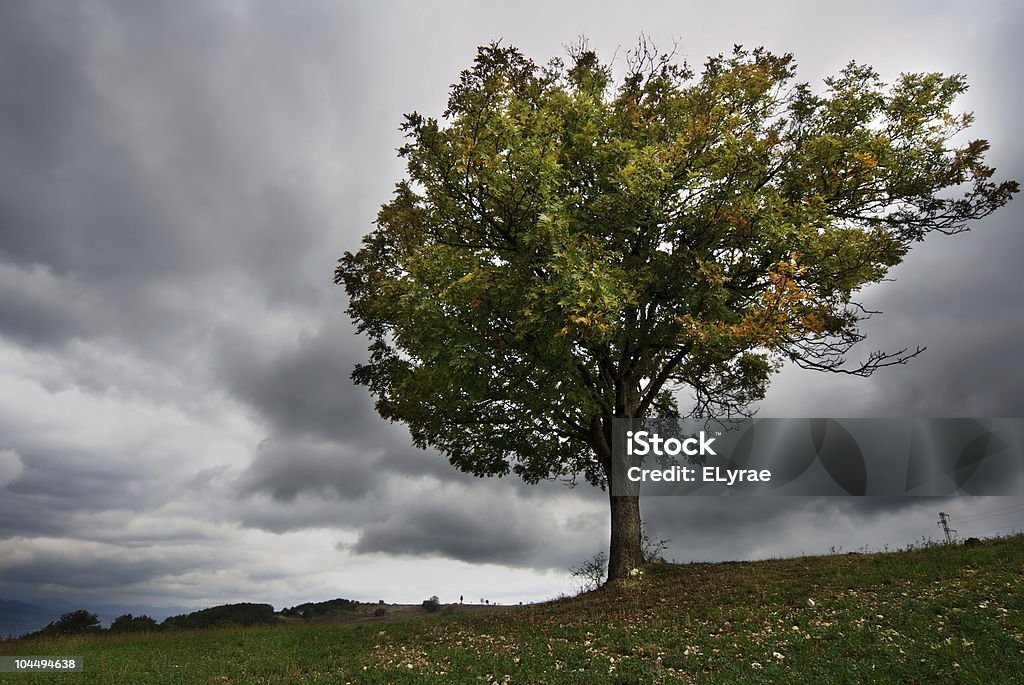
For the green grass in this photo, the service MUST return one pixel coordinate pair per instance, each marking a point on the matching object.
(930, 615)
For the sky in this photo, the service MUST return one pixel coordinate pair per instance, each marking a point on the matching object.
(177, 181)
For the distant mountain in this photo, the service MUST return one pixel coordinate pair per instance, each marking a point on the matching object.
(18, 618)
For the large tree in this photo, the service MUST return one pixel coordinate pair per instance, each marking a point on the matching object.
(567, 250)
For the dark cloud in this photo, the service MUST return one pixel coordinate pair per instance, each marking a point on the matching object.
(952, 297)
(304, 391)
(52, 492)
(730, 528)
(469, 524)
(452, 532)
(87, 569)
(286, 470)
(156, 168)
(39, 308)
(968, 317)
(305, 388)
(109, 117)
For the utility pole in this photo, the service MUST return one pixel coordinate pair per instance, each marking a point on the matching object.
(944, 523)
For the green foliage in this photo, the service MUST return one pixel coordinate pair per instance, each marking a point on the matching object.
(311, 609)
(243, 614)
(133, 624)
(566, 250)
(73, 623)
(433, 604)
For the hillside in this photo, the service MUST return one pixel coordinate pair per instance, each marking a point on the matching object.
(932, 615)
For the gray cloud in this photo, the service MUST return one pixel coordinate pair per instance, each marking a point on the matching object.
(84, 570)
(730, 528)
(472, 525)
(289, 469)
(39, 308)
(305, 388)
(451, 532)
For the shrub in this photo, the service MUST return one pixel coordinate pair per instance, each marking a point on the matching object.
(73, 623)
(133, 624)
(591, 573)
(433, 604)
(652, 549)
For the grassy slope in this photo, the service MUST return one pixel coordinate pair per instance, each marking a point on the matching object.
(935, 615)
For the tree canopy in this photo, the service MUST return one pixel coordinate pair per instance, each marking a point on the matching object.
(567, 249)
(72, 623)
(126, 623)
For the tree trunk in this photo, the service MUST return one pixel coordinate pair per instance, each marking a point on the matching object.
(624, 552)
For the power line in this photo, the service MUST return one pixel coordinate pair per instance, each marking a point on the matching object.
(1018, 505)
(976, 516)
(969, 519)
(990, 514)
(993, 516)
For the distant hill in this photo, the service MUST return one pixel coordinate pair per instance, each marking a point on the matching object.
(18, 618)
(243, 614)
(311, 609)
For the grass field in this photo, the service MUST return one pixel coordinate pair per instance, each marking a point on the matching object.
(938, 614)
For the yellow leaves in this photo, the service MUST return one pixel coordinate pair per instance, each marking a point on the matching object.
(865, 159)
(777, 314)
(583, 318)
(813, 322)
(782, 310)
